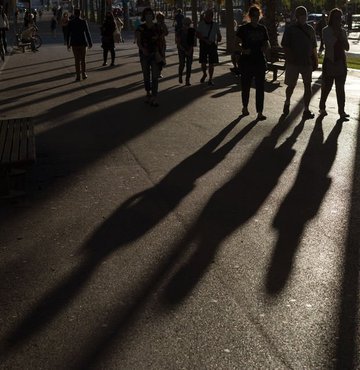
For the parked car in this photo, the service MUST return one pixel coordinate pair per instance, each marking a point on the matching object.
(313, 18)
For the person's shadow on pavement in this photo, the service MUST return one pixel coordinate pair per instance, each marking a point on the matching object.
(230, 207)
(132, 220)
(302, 203)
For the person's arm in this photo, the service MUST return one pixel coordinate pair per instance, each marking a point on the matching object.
(139, 43)
(68, 36)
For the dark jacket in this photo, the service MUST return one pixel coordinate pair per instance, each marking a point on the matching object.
(78, 34)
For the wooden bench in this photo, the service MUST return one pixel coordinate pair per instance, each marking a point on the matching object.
(24, 45)
(17, 148)
(277, 61)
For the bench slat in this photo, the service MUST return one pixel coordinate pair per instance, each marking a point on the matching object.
(14, 156)
(8, 143)
(31, 154)
(3, 131)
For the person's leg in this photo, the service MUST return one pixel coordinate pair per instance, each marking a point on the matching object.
(181, 54)
(213, 59)
(112, 53)
(246, 78)
(145, 66)
(326, 86)
(189, 59)
(211, 72)
(340, 93)
(306, 74)
(291, 77)
(77, 53)
(203, 59)
(83, 63)
(3, 36)
(105, 55)
(155, 72)
(260, 88)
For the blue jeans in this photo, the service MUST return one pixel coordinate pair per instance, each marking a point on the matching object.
(151, 71)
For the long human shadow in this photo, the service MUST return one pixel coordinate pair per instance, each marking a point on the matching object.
(347, 348)
(302, 203)
(230, 207)
(133, 219)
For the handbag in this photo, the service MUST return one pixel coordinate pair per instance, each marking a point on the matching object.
(116, 36)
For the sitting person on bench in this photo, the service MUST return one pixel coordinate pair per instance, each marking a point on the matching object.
(27, 36)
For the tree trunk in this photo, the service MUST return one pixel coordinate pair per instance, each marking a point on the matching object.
(270, 22)
(230, 32)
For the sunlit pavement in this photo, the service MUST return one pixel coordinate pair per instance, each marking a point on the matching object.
(183, 236)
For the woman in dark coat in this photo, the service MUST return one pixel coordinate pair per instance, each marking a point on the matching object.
(107, 38)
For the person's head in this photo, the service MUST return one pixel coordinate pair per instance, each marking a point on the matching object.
(179, 11)
(160, 17)
(187, 22)
(335, 18)
(301, 14)
(65, 15)
(147, 15)
(77, 12)
(254, 13)
(208, 16)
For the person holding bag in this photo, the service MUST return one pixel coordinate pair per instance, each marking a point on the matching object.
(208, 32)
(334, 65)
(107, 38)
(254, 40)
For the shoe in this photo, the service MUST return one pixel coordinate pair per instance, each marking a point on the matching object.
(203, 78)
(245, 112)
(161, 76)
(77, 79)
(112, 64)
(154, 103)
(211, 83)
(308, 114)
(148, 98)
(104, 64)
(84, 76)
(286, 109)
(344, 116)
(322, 112)
(180, 80)
(261, 117)
(187, 83)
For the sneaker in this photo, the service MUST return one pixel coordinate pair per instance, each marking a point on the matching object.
(180, 80)
(104, 64)
(187, 83)
(84, 76)
(322, 112)
(344, 116)
(261, 117)
(286, 109)
(308, 114)
(245, 112)
(211, 83)
(203, 78)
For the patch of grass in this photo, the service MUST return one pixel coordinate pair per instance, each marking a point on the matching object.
(352, 62)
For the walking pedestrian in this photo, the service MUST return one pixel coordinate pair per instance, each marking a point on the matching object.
(148, 41)
(79, 39)
(185, 41)
(334, 65)
(4, 27)
(209, 35)
(107, 38)
(254, 42)
(299, 43)
(65, 25)
(178, 20)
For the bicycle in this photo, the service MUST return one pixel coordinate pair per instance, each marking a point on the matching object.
(24, 42)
